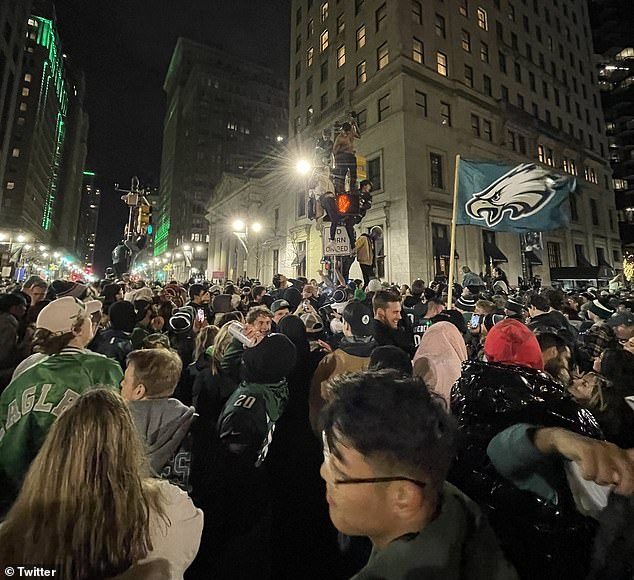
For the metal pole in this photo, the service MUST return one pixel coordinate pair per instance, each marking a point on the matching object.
(452, 247)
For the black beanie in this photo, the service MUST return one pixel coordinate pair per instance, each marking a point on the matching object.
(271, 361)
(122, 316)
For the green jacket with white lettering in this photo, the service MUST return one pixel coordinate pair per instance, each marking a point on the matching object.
(35, 398)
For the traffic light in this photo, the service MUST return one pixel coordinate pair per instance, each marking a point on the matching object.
(143, 220)
(348, 203)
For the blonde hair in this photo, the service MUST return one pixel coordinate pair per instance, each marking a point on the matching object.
(204, 339)
(158, 369)
(85, 505)
(221, 342)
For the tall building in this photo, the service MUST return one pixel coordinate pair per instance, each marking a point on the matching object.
(223, 114)
(32, 176)
(13, 19)
(86, 232)
(491, 79)
(613, 22)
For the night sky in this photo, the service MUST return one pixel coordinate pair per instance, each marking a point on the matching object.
(124, 48)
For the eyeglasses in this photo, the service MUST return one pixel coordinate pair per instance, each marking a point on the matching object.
(350, 481)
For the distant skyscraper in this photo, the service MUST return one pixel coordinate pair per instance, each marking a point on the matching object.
(13, 19)
(88, 217)
(613, 23)
(223, 114)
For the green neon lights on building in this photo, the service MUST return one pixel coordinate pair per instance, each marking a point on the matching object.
(52, 77)
(161, 237)
(91, 173)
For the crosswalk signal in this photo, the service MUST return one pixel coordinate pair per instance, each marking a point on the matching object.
(348, 203)
(144, 218)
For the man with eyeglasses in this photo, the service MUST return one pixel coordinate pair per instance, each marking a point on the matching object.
(388, 444)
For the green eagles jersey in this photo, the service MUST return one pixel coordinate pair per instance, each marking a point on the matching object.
(35, 398)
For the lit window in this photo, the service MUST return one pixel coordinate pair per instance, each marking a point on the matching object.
(309, 56)
(27, 78)
(341, 25)
(310, 28)
(22, 106)
(360, 37)
(323, 12)
(32, 22)
(15, 152)
(463, 8)
(466, 41)
(361, 73)
(382, 56)
(309, 115)
(441, 63)
(25, 92)
(541, 154)
(341, 56)
(323, 40)
(417, 50)
(483, 21)
(10, 185)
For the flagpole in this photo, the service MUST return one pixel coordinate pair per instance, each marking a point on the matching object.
(452, 247)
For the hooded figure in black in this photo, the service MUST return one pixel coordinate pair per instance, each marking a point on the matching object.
(541, 539)
(116, 342)
(236, 538)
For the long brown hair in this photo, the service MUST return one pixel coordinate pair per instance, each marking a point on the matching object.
(85, 505)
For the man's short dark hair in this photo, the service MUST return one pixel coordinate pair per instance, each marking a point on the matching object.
(555, 297)
(257, 291)
(382, 298)
(257, 311)
(539, 301)
(390, 357)
(277, 280)
(195, 290)
(366, 182)
(35, 281)
(418, 287)
(393, 420)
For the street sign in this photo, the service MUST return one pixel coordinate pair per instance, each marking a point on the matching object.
(340, 246)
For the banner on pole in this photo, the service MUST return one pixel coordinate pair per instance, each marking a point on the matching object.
(509, 197)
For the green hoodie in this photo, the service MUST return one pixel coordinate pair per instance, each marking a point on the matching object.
(35, 398)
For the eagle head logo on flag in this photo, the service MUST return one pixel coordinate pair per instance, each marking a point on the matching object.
(504, 197)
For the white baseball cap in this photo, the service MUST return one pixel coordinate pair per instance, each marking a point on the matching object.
(61, 315)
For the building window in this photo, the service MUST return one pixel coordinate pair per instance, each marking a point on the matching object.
(297, 125)
(417, 50)
(309, 115)
(541, 153)
(475, 125)
(550, 159)
(323, 71)
(323, 40)
(594, 212)
(463, 8)
(301, 203)
(15, 152)
(323, 101)
(341, 56)
(554, 254)
(441, 64)
(297, 96)
(374, 172)
(310, 28)
(300, 263)
(421, 102)
(521, 144)
(531, 80)
(440, 26)
(298, 42)
(510, 139)
(23, 105)
(486, 81)
(380, 17)
(466, 41)
(309, 56)
(504, 93)
(275, 258)
(341, 24)
(360, 37)
(483, 21)
(362, 119)
(445, 114)
(358, 4)
(502, 61)
(341, 86)
(298, 72)
(27, 78)
(468, 75)
(361, 73)
(518, 72)
(487, 133)
(520, 101)
(417, 12)
(384, 107)
(323, 12)
(484, 52)
(309, 86)
(435, 165)
(382, 56)
(574, 212)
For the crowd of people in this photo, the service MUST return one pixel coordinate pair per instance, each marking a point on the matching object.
(307, 430)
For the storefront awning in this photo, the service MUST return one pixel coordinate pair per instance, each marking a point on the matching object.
(533, 258)
(579, 273)
(442, 248)
(493, 253)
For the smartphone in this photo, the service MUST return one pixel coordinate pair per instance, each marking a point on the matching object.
(475, 321)
(201, 315)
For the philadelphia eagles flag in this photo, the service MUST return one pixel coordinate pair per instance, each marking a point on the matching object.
(512, 197)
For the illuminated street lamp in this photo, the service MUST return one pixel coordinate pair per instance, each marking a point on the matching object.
(241, 231)
(303, 167)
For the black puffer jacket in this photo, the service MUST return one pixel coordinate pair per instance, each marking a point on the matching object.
(541, 539)
(114, 344)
